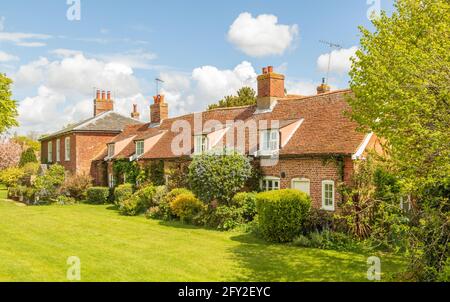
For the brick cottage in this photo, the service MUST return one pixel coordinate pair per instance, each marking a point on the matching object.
(301, 142)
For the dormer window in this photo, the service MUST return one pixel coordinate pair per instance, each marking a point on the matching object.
(269, 141)
(111, 150)
(200, 144)
(139, 148)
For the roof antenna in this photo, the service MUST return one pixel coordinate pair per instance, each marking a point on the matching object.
(331, 45)
(157, 82)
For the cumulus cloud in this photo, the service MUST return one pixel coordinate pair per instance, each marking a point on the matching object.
(340, 60)
(65, 90)
(204, 85)
(261, 36)
(6, 57)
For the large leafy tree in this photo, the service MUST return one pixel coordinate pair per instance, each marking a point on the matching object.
(8, 107)
(401, 83)
(245, 96)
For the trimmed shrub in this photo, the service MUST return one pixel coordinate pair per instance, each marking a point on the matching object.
(247, 203)
(186, 206)
(138, 203)
(76, 186)
(27, 156)
(98, 195)
(281, 214)
(122, 193)
(174, 193)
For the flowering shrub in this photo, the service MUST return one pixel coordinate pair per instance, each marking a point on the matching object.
(9, 154)
(218, 177)
(186, 206)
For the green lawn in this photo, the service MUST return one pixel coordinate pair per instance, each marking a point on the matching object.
(35, 243)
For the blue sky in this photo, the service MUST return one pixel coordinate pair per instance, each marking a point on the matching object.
(202, 49)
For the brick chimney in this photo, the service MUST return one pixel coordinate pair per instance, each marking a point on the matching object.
(323, 88)
(103, 102)
(135, 114)
(270, 88)
(159, 111)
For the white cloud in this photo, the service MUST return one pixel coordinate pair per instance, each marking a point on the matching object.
(6, 57)
(261, 36)
(137, 59)
(204, 85)
(65, 90)
(23, 39)
(340, 60)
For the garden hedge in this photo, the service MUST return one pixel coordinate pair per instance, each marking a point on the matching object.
(281, 214)
(98, 195)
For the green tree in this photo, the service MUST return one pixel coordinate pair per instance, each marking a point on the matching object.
(245, 96)
(8, 107)
(28, 156)
(401, 83)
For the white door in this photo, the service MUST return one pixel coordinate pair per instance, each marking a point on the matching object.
(302, 185)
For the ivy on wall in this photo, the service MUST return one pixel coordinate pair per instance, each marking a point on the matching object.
(133, 172)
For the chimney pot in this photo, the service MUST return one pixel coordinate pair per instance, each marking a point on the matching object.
(270, 69)
(98, 94)
(264, 70)
(109, 95)
(159, 111)
(270, 88)
(103, 95)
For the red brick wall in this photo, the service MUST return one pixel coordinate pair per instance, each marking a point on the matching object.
(316, 169)
(84, 147)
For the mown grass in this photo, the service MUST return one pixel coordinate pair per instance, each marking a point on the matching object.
(36, 242)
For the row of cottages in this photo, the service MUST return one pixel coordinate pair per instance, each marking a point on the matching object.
(302, 142)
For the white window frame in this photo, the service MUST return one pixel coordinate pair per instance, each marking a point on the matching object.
(200, 144)
(67, 149)
(269, 141)
(139, 144)
(265, 183)
(326, 206)
(58, 150)
(111, 180)
(50, 151)
(305, 180)
(111, 150)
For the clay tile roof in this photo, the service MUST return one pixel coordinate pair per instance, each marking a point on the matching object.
(325, 128)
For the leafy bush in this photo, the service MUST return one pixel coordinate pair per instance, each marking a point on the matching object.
(138, 203)
(328, 240)
(63, 200)
(76, 186)
(223, 217)
(98, 195)
(160, 195)
(174, 194)
(28, 156)
(23, 194)
(186, 206)
(319, 220)
(281, 214)
(302, 241)
(218, 177)
(11, 176)
(122, 193)
(49, 184)
(247, 203)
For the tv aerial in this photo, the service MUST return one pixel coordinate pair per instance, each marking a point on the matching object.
(332, 46)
